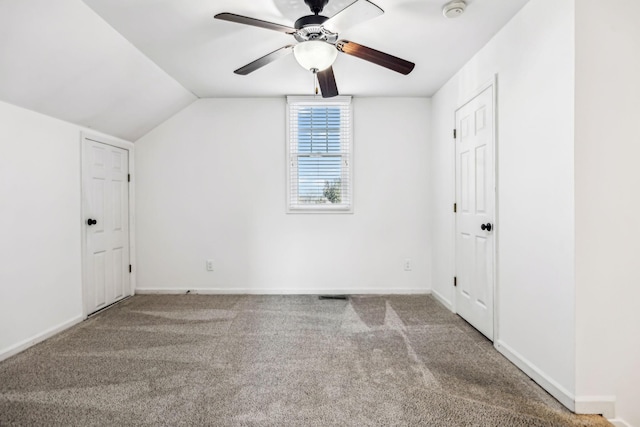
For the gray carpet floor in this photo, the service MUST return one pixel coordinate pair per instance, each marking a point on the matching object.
(233, 360)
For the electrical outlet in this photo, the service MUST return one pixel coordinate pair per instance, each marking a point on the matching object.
(408, 264)
(209, 265)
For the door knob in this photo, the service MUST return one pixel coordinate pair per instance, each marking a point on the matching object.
(486, 226)
(91, 221)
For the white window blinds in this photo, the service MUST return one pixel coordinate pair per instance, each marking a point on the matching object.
(319, 154)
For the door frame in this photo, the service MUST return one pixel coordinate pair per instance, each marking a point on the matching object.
(493, 84)
(84, 173)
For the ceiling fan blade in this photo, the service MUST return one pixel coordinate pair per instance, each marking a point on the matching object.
(267, 59)
(380, 58)
(232, 17)
(327, 82)
(354, 14)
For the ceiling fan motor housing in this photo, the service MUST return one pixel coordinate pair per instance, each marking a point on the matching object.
(309, 20)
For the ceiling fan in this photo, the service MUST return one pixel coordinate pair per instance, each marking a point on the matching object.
(318, 43)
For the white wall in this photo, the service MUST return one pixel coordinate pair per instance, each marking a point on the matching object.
(533, 56)
(607, 204)
(211, 184)
(40, 236)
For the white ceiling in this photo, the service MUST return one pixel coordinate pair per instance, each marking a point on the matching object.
(60, 59)
(201, 53)
(124, 66)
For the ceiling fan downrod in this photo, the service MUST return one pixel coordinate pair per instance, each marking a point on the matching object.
(316, 6)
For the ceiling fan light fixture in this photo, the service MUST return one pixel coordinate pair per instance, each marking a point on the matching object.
(454, 8)
(315, 55)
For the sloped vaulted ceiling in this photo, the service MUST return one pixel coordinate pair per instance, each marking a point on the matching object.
(201, 53)
(125, 66)
(61, 59)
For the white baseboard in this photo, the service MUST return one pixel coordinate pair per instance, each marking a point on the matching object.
(245, 291)
(443, 301)
(551, 386)
(603, 405)
(619, 422)
(21, 346)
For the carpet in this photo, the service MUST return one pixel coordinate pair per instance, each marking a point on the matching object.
(294, 360)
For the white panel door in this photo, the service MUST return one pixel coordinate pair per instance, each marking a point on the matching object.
(475, 199)
(106, 197)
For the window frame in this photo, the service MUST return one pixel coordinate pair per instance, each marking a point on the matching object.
(291, 162)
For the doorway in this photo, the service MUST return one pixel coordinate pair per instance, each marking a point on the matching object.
(105, 200)
(475, 210)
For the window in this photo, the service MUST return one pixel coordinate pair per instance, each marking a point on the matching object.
(319, 154)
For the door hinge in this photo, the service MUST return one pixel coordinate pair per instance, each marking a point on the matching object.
(455, 281)
(455, 207)
(455, 134)
(128, 177)
(129, 268)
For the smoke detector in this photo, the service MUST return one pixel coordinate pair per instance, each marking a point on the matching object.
(453, 9)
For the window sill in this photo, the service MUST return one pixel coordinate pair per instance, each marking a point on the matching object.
(320, 210)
